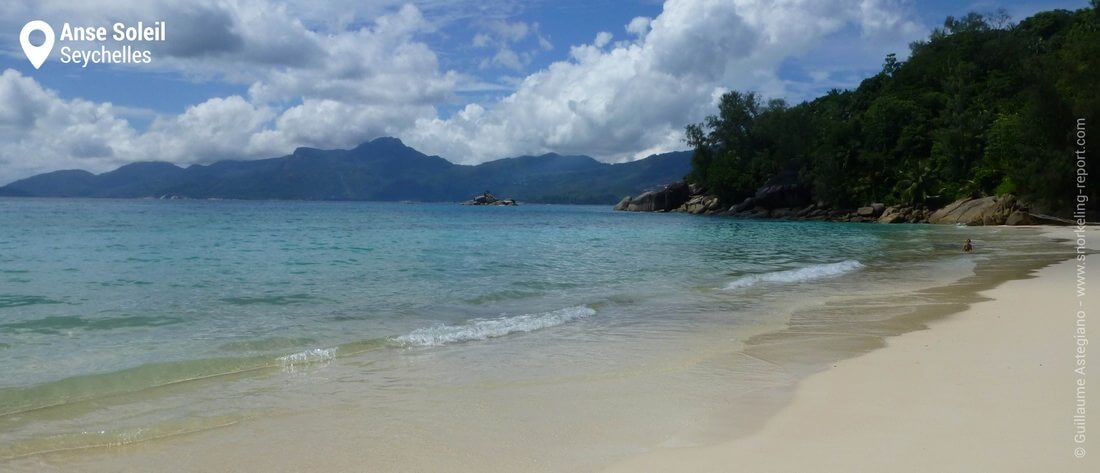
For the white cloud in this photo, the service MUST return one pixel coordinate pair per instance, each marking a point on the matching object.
(42, 132)
(370, 81)
(481, 40)
(505, 37)
(320, 123)
(545, 43)
(336, 74)
(634, 97)
(510, 32)
(382, 64)
(881, 18)
(639, 26)
(602, 38)
(507, 58)
(224, 127)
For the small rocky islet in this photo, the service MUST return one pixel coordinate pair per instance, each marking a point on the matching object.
(487, 198)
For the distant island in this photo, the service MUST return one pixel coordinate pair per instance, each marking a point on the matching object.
(384, 169)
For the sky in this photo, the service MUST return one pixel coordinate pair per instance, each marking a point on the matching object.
(471, 81)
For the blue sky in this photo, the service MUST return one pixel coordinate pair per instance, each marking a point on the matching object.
(470, 81)
(564, 23)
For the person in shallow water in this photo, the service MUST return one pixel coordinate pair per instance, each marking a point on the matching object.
(968, 247)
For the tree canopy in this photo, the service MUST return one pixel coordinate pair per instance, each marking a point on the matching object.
(981, 107)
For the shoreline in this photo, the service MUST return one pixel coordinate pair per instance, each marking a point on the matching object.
(792, 201)
(987, 388)
(798, 354)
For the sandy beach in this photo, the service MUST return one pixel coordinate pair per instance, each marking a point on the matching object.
(964, 364)
(989, 389)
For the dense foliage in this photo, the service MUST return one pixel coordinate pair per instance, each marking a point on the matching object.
(982, 107)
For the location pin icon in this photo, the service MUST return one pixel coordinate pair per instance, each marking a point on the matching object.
(36, 54)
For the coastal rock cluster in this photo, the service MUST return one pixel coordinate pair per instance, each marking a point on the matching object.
(489, 199)
(790, 201)
(991, 210)
(668, 198)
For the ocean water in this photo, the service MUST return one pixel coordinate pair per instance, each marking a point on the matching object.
(128, 320)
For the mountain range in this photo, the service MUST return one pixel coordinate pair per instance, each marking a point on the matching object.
(384, 169)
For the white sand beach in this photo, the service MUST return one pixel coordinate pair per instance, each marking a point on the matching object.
(990, 389)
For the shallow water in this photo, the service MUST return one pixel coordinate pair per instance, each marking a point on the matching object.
(127, 321)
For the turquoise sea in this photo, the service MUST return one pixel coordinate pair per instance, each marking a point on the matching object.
(128, 320)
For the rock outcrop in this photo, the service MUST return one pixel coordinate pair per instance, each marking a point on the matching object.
(990, 210)
(790, 201)
(903, 214)
(701, 204)
(871, 211)
(489, 199)
(669, 198)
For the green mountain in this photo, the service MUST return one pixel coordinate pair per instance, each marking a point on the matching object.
(383, 170)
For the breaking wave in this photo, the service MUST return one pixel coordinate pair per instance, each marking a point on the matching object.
(807, 273)
(315, 355)
(482, 329)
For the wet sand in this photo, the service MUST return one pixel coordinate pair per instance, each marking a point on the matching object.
(991, 388)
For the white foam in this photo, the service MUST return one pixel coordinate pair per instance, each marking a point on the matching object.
(482, 329)
(315, 355)
(807, 273)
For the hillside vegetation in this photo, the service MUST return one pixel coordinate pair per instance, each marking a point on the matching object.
(982, 107)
